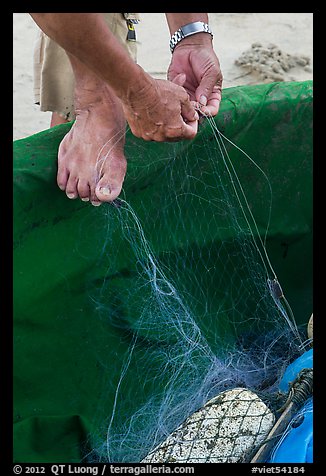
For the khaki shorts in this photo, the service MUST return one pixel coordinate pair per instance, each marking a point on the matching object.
(53, 74)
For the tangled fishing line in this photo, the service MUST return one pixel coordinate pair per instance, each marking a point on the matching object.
(197, 301)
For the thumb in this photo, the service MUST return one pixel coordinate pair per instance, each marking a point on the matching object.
(179, 79)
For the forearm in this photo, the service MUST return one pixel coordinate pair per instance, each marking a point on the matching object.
(88, 38)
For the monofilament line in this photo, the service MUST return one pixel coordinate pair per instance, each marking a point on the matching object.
(285, 309)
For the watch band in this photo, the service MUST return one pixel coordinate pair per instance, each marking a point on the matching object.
(188, 30)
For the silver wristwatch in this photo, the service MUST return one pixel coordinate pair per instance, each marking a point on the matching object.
(188, 30)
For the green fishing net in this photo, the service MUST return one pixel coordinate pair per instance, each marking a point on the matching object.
(127, 315)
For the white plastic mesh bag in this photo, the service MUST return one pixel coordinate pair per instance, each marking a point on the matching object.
(226, 430)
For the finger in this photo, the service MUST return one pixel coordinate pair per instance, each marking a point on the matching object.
(189, 114)
(194, 126)
(188, 111)
(180, 79)
(189, 130)
(213, 104)
(211, 109)
(209, 83)
(179, 132)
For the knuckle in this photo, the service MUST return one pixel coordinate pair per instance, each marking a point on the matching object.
(174, 132)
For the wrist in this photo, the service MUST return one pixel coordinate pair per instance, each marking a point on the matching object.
(133, 90)
(197, 29)
(200, 39)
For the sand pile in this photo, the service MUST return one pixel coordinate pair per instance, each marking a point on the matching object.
(270, 63)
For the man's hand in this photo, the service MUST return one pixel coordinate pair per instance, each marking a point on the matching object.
(161, 111)
(157, 110)
(201, 67)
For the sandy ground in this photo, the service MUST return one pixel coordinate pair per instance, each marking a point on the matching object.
(234, 33)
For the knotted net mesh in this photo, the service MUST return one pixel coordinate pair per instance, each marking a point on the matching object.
(131, 317)
(198, 299)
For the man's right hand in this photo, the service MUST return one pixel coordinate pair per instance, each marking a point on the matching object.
(161, 111)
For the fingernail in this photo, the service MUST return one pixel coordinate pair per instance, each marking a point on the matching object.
(105, 190)
(71, 195)
(85, 199)
(196, 116)
(96, 204)
(203, 100)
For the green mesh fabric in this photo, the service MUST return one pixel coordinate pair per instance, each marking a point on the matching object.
(67, 355)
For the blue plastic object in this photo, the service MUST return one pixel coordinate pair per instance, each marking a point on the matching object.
(305, 361)
(296, 445)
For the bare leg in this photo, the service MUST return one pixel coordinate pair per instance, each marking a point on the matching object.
(57, 119)
(91, 161)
